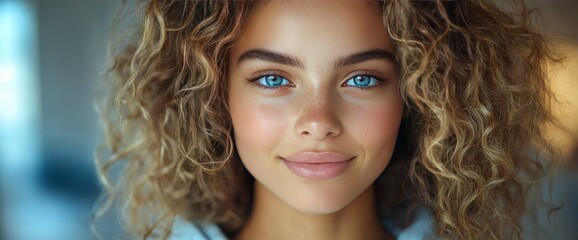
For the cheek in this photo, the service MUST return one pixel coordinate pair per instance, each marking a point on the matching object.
(257, 128)
(376, 128)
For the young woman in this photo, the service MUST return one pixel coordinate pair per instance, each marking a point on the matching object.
(328, 120)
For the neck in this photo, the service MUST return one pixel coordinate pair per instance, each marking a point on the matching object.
(272, 218)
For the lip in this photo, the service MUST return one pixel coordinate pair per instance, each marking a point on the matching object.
(318, 165)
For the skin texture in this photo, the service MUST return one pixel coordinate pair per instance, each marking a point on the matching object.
(316, 109)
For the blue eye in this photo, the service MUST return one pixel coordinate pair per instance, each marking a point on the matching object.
(362, 81)
(272, 81)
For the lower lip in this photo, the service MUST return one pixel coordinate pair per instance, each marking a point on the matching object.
(317, 171)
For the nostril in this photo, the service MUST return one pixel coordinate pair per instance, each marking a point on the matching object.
(318, 128)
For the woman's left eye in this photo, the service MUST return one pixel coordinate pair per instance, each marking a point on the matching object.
(272, 81)
(362, 81)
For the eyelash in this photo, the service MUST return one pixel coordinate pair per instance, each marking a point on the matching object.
(364, 73)
(254, 79)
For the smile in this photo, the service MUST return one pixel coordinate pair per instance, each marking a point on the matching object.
(318, 165)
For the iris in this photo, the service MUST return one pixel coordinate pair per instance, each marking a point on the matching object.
(273, 81)
(362, 81)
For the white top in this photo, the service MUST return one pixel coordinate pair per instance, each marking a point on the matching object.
(420, 228)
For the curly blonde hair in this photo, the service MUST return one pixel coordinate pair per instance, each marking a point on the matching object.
(473, 79)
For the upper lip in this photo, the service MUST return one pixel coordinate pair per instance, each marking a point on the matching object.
(318, 157)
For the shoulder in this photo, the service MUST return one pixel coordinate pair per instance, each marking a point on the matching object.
(185, 230)
(420, 228)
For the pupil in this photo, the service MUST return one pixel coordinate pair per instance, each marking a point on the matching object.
(273, 80)
(361, 80)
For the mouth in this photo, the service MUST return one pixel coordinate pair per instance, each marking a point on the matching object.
(318, 165)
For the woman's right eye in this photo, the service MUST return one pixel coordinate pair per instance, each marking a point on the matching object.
(272, 81)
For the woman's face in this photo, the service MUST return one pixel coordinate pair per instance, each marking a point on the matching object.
(314, 102)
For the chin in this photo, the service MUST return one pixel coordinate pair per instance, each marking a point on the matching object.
(319, 203)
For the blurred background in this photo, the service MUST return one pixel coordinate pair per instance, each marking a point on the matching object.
(51, 52)
(51, 55)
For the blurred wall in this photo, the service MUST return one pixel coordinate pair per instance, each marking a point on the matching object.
(72, 46)
(561, 23)
(71, 38)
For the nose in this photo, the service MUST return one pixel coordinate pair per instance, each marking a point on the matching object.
(318, 118)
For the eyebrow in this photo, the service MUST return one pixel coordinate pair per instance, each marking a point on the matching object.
(276, 57)
(365, 56)
(270, 56)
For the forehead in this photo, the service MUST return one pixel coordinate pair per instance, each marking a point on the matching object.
(336, 28)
